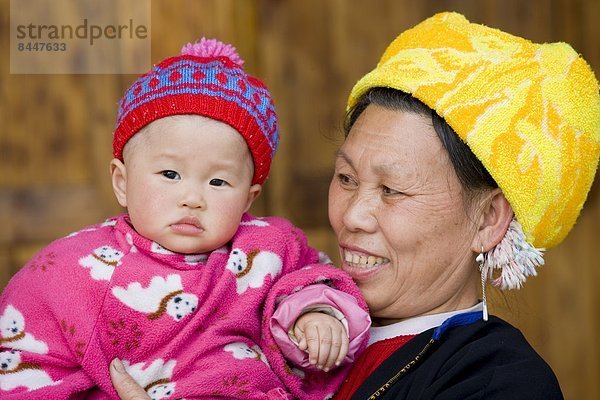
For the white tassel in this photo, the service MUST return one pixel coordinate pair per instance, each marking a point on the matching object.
(515, 257)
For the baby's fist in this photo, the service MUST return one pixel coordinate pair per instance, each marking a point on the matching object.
(323, 337)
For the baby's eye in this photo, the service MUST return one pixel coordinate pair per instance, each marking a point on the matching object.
(170, 174)
(217, 182)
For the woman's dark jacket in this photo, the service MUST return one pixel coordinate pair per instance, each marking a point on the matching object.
(464, 359)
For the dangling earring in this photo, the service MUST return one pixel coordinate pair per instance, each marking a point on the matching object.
(483, 270)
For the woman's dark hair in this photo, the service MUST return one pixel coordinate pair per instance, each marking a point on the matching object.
(470, 171)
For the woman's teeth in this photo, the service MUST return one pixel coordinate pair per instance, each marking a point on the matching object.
(363, 261)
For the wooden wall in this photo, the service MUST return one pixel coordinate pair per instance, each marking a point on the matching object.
(55, 138)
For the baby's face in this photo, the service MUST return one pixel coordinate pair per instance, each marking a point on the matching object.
(186, 182)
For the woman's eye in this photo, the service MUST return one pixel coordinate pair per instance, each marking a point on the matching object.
(217, 182)
(170, 174)
(389, 191)
(345, 180)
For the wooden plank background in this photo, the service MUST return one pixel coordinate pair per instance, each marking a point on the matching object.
(55, 138)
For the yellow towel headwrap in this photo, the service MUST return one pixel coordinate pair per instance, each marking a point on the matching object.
(530, 112)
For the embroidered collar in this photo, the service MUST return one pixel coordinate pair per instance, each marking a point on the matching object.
(416, 325)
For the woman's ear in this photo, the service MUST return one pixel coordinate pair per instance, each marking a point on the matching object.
(495, 218)
(118, 174)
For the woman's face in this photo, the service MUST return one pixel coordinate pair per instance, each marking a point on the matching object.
(396, 206)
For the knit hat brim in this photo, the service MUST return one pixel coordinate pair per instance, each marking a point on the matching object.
(214, 108)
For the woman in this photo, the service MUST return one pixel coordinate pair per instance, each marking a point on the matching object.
(468, 150)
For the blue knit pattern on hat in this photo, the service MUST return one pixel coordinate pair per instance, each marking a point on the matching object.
(215, 79)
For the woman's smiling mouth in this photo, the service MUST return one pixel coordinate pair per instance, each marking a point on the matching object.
(358, 260)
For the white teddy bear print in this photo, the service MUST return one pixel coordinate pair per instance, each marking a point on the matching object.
(13, 334)
(194, 259)
(107, 223)
(102, 262)
(158, 249)
(255, 222)
(160, 297)
(241, 351)
(14, 373)
(251, 269)
(156, 379)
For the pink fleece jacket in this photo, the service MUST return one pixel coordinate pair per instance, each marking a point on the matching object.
(185, 326)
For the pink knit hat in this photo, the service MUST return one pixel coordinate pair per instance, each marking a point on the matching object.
(206, 79)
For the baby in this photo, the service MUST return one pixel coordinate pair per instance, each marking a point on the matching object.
(195, 296)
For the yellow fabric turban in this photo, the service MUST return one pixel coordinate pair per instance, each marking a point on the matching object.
(530, 112)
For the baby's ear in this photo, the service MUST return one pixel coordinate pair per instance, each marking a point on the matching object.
(494, 221)
(118, 174)
(253, 193)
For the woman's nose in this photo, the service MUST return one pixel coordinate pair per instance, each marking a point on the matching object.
(360, 213)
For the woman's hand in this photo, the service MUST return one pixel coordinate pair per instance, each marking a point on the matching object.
(126, 387)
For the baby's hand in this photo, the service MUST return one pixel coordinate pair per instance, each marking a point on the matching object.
(324, 337)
